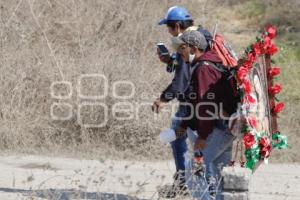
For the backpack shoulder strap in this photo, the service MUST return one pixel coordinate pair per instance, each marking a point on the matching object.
(219, 67)
(193, 68)
(204, 62)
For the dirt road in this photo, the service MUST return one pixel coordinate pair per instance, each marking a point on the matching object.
(33, 177)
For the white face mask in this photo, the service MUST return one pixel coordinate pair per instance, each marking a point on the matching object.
(191, 57)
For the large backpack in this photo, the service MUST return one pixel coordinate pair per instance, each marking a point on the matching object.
(229, 83)
(228, 69)
(224, 50)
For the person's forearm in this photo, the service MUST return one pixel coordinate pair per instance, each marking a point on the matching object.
(167, 95)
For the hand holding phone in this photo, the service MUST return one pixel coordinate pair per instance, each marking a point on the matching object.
(162, 49)
(163, 53)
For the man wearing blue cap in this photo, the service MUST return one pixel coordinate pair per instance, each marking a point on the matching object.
(178, 20)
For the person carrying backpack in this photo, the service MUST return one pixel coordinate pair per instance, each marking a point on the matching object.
(177, 21)
(214, 102)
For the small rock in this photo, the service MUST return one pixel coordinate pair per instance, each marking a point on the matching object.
(236, 178)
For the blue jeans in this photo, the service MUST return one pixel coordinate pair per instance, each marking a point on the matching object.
(179, 146)
(217, 154)
(197, 185)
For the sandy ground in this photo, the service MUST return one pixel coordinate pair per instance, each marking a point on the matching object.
(33, 177)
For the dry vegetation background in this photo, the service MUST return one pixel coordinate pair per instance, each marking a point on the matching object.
(59, 40)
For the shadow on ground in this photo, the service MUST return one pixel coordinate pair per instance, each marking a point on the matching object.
(68, 194)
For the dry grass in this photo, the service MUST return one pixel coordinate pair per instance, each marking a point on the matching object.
(55, 40)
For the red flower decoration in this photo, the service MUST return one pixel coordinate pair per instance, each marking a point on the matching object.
(252, 122)
(275, 89)
(251, 57)
(242, 73)
(250, 99)
(266, 42)
(247, 86)
(263, 46)
(273, 71)
(247, 64)
(257, 48)
(265, 152)
(264, 142)
(248, 140)
(271, 49)
(265, 147)
(271, 31)
(278, 108)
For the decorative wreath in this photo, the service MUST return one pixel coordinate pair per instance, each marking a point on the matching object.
(260, 106)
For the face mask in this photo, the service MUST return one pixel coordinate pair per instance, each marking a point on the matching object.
(191, 57)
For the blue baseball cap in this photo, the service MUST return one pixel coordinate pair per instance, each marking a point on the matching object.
(176, 13)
